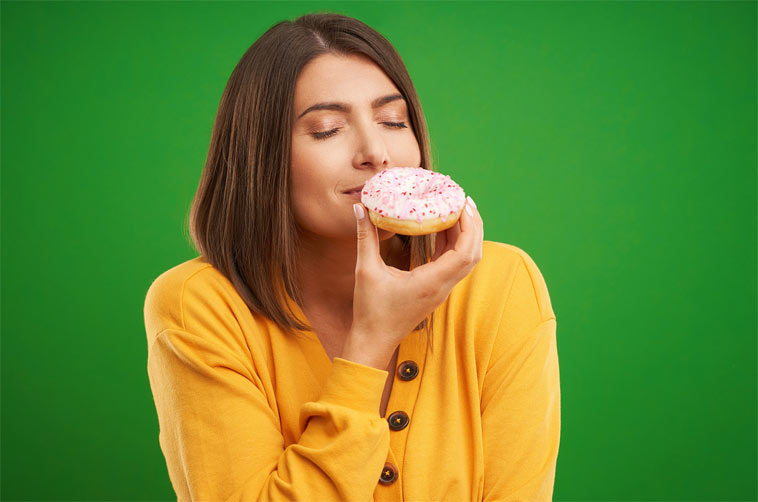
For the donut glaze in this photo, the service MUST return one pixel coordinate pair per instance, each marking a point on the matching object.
(433, 200)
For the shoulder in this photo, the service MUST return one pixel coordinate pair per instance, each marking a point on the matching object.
(187, 294)
(508, 270)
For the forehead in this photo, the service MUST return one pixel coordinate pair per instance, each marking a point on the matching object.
(351, 78)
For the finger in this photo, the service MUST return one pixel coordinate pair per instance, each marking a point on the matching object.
(479, 223)
(466, 241)
(453, 234)
(456, 262)
(470, 203)
(367, 237)
(440, 244)
(447, 238)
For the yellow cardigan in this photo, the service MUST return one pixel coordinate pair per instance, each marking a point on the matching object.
(247, 412)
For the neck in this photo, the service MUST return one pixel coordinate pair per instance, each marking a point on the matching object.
(326, 272)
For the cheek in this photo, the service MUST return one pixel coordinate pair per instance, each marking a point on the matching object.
(304, 190)
(304, 203)
(312, 185)
(312, 157)
(407, 152)
(304, 167)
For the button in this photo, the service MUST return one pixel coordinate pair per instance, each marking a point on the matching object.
(407, 370)
(398, 420)
(389, 474)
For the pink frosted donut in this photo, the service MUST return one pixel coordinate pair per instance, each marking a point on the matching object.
(413, 200)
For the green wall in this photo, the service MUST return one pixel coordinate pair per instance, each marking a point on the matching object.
(615, 142)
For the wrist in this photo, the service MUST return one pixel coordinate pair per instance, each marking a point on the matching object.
(363, 353)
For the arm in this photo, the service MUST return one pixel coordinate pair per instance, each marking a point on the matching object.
(521, 399)
(222, 441)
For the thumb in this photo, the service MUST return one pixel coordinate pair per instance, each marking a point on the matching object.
(368, 237)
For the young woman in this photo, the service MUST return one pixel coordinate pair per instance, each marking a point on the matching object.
(306, 354)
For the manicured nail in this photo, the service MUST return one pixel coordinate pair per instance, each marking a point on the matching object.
(471, 201)
(358, 209)
(469, 211)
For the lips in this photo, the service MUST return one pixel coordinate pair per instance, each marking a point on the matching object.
(354, 189)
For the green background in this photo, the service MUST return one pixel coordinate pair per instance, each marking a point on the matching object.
(615, 142)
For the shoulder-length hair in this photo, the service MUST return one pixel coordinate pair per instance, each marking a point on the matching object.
(240, 219)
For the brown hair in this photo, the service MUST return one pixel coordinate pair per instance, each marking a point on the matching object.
(240, 219)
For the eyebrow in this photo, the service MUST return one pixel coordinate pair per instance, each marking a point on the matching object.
(344, 107)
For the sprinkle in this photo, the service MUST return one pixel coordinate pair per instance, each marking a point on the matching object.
(437, 194)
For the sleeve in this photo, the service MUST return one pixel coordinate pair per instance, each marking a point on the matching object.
(221, 440)
(220, 430)
(521, 399)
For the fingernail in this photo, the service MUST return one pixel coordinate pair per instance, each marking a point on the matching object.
(469, 211)
(471, 201)
(358, 209)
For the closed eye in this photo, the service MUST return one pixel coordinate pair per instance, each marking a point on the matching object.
(327, 134)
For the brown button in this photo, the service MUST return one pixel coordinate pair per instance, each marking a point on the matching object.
(389, 474)
(398, 420)
(407, 370)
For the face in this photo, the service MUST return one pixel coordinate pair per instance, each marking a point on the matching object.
(347, 128)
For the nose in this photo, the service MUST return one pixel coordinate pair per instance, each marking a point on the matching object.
(371, 152)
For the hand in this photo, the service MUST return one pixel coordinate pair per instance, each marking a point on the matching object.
(388, 303)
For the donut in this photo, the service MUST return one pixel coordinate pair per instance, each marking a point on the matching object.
(413, 200)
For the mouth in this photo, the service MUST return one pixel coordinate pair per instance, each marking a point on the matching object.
(354, 190)
(354, 194)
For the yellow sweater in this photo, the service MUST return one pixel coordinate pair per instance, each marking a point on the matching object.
(247, 412)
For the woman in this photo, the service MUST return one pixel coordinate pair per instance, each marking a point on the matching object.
(293, 359)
